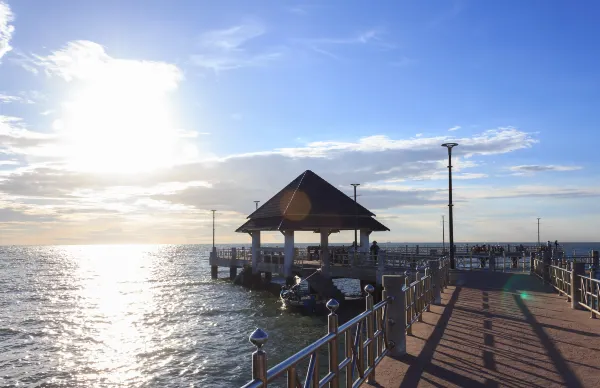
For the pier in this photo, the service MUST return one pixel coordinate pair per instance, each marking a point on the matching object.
(517, 316)
(529, 326)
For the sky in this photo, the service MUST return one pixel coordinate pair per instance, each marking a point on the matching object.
(128, 121)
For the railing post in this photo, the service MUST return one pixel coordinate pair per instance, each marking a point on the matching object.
(408, 297)
(595, 264)
(332, 323)
(577, 269)
(427, 288)
(393, 286)
(259, 358)
(434, 265)
(370, 333)
(214, 270)
(419, 297)
(546, 267)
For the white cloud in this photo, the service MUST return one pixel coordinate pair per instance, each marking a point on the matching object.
(6, 99)
(454, 128)
(88, 61)
(6, 28)
(529, 169)
(227, 49)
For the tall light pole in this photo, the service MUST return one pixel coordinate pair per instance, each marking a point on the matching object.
(450, 222)
(355, 216)
(443, 235)
(256, 203)
(539, 231)
(213, 212)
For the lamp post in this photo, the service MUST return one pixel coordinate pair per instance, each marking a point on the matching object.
(539, 231)
(443, 235)
(213, 212)
(451, 221)
(355, 216)
(256, 203)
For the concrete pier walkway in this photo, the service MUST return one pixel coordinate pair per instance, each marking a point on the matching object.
(498, 330)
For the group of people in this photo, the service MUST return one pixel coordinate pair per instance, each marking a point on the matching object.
(487, 249)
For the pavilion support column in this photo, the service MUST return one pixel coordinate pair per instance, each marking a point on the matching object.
(364, 240)
(288, 253)
(325, 259)
(255, 251)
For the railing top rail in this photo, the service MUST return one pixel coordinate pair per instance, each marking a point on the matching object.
(286, 364)
(587, 278)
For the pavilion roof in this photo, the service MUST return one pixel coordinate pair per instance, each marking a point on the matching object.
(310, 203)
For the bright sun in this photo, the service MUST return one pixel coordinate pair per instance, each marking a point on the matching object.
(118, 118)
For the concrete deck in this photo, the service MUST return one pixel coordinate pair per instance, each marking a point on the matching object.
(498, 330)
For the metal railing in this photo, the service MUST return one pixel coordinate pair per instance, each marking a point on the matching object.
(501, 262)
(419, 297)
(560, 279)
(365, 339)
(589, 298)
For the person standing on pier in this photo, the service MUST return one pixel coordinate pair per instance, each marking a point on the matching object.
(374, 251)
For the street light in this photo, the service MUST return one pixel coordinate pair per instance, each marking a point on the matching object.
(451, 221)
(256, 203)
(213, 212)
(539, 231)
(355, 215)
(443, 235)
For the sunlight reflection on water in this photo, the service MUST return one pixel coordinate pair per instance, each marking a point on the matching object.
(133, 316)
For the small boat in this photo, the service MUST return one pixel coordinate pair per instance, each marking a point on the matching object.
(297, 297)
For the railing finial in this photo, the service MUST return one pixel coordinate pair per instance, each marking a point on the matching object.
(332, 305)
(369, 289)
(258, 338)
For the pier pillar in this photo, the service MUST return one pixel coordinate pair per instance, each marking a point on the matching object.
(325, 259)
(393, 285)
(255, 250)
(531, 263)
(256, 281)
(233, 267)
(577, 269)
(288, 252)
(364, 241)
(436, 281)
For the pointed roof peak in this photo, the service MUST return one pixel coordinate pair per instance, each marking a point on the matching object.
(309, 196)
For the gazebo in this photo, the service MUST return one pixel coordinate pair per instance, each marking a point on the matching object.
(309, 203)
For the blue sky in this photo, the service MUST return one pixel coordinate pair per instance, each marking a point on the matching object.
(129, 121)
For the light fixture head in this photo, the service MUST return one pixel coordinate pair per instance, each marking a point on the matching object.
(449, 145)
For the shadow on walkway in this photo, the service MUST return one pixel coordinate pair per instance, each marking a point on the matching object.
(499, 330)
